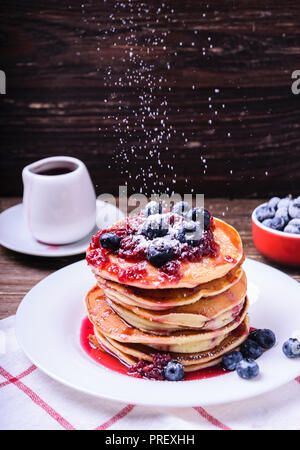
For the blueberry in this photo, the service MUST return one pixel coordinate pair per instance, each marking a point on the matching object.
(247, 369)
(251, 349)
(174, 371)
(291, 348)
(295, 222)
(284, 203)
(230, 361)
(267, 222)
(297, 200)
(159, 252)
(155, 226)
(273, 202)
(200, 215)
(283, 212)
(294, 209)
(277, 223)
(293, 226)
(181, 208)
(190, 233)
(153, 208)
(264, 337)
(264, 213)
(111, 241)
(291, 229)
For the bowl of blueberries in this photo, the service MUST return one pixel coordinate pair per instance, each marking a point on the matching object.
(276, 229)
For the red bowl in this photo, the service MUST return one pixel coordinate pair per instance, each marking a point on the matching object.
(276, 245)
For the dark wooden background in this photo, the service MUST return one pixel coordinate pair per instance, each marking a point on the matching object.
(61, 90)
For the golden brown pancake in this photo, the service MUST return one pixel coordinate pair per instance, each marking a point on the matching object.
(196, 311)
(132, 353)
(163, 299)
(107, 322)
(208, 313)
(191, 273)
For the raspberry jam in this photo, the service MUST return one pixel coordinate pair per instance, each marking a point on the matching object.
(100, 356)
(142, 369)
(151, 371)
(134, 244)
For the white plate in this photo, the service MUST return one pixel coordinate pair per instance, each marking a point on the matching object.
(48, 329)
(15, 235)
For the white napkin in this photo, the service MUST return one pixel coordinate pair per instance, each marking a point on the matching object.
(29, 399)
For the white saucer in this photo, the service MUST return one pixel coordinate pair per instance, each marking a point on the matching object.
(274, 303)
(15, 235)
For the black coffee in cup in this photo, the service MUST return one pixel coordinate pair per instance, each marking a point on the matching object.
(55, 168)
(55, 171)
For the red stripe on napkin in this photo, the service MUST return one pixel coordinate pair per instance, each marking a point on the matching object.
(36, 399)
(117, 417)
(23, 374)
(213, 420)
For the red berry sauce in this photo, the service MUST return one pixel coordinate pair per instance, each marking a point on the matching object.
(151, 370)
(133, 248)
(142, 369)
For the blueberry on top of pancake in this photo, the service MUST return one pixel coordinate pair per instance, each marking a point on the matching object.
(201, 216)
(190, 233)
(188, 249)
(153, 208)
(159, 252)
(156, 225)
(181, 208)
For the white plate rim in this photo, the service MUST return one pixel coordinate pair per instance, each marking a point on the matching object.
(64, 250)
(139, 385)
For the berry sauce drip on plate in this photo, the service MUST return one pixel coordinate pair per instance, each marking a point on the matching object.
(164, 239)
(142, 369)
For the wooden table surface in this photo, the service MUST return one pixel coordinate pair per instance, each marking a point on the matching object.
(19, 273)
(210, 80)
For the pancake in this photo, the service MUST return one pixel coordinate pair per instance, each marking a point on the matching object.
(107, 322)
(191, 274)
(130, 354)
(164, 299)
(208, 313)
(165, 291)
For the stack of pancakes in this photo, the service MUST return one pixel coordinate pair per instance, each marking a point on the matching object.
(197, 318)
